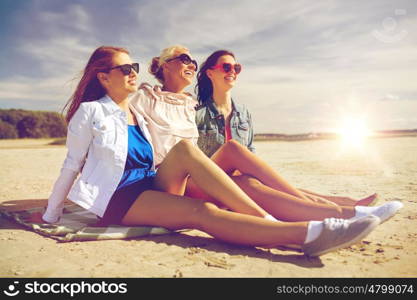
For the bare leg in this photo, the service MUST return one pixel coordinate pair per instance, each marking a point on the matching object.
(281, 205)
(178, 212)
(186, 160)
(232, 156)
(317, 199)
(286, 207)
(340, 200)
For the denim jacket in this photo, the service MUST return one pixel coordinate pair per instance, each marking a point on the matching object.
(211, 127)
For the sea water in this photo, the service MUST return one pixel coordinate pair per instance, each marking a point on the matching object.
(384, 165)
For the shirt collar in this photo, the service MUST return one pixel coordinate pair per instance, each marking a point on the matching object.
(213, 111)
(109, 104)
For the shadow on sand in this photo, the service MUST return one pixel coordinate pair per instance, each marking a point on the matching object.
(183, 240)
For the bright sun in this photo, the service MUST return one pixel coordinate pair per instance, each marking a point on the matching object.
(353, 132)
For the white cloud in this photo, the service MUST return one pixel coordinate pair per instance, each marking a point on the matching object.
(201, 24)
(60, 51)
(74, 17)
(54, 89)
(305, 63)
(64, 42)
(59, 55)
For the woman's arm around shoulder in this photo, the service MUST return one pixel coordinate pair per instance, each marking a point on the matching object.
(143, 99)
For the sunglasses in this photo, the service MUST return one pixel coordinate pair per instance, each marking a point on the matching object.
(185, 59)
(127, 68)
(227, 67)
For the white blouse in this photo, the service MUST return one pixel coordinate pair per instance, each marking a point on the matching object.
(170, 117)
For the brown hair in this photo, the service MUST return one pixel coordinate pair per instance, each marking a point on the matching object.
(89, 88)
(204, 87)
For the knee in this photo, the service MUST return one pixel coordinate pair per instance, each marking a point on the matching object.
(185, 148)
(184, 144)
(229, 148)
(233, 145)
(203, 211)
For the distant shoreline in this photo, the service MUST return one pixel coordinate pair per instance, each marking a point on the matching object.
(271, 136)
(327, 136)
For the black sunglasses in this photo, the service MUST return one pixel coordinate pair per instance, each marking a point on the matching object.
(127, 68)
(227, 67)
(185, 59)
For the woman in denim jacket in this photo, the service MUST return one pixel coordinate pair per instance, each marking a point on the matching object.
(215, 128)
(225, 125)
(220, 119)
(109, 147)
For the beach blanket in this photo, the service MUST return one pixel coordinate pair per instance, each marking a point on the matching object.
(78, 224)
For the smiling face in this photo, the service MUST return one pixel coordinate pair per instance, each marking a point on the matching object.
(220, 79)
(178, 72)
(115, 82)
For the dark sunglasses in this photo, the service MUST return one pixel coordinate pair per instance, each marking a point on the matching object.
(185, 59)
(127, 69)
(227, 67)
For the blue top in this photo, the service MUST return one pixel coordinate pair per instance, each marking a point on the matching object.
(139, 158)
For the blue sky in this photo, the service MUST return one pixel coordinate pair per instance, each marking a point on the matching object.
(307, 64)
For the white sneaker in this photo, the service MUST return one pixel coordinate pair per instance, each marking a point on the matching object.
(384, 212)
(388, 210)
(340, 233)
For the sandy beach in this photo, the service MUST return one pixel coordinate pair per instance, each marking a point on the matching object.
(386, 166)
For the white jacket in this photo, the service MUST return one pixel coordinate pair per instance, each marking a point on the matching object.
(97, 142)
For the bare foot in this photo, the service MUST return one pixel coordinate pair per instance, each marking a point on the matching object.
(367, 201)
(348, 201)
(341, 200)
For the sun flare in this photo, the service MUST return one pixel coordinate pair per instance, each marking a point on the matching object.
(353, 132)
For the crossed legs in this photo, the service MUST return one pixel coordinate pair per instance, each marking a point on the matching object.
(233, 156)
(174, 211)
(267, 188)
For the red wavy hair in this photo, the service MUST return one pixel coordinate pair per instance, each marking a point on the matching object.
(89, 88)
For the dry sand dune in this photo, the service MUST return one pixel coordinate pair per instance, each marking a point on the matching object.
(29, 168)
